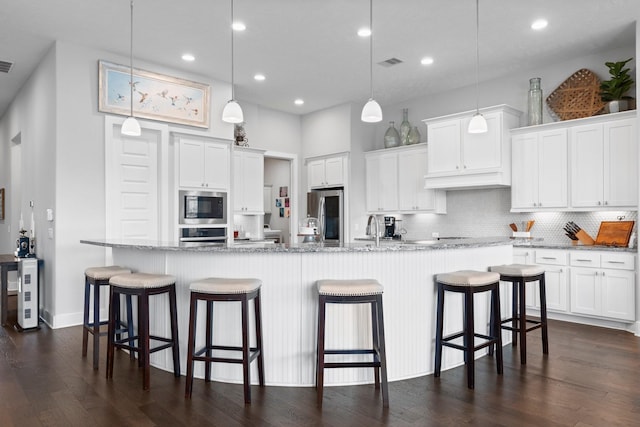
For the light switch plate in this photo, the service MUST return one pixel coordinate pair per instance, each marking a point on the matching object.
(49, 214)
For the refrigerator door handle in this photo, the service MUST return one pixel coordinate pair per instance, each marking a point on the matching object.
(321, 217)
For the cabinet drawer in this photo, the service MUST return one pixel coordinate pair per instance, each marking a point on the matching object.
(585, 259)
(552, 257)
(618, 261)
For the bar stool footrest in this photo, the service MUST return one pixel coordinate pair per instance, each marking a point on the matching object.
(197, 356)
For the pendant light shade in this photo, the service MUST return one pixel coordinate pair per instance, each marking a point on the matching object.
(371, 112)
(131, 127)
(232, 112)
(478, 124)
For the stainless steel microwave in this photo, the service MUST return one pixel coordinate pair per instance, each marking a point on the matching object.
(202, 207)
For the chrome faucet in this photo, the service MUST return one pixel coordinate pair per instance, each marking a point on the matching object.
(372, 218)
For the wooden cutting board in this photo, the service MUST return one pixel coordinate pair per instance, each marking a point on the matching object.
(614, 233)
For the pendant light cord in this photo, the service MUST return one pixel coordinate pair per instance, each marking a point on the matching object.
(232, 73)
(477, 56)
(371, 48)
(131, 62)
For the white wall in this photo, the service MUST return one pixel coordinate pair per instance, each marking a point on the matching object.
(326, 131)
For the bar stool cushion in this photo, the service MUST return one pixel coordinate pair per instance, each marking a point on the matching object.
(220, 285)
(357, 287)
(468, 278)
(522, 270)
(142, 280)
(104, 273)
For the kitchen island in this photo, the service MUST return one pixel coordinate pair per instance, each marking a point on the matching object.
(289, 300)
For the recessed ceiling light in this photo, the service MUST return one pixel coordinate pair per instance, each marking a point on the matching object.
(188, 57)
(298, 101)
(539, 24)
(259, 77)
(364, 32)
(238, 26)
(427, 60)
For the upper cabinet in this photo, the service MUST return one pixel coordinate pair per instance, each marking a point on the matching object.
(326, 172)
(203, 164)
(583, 164)
(458, 159)
(395, 182)
(248, 181)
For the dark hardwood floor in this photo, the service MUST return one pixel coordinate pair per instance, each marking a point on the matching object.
(590, 378)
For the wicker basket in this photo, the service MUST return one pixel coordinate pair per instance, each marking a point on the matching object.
(577, 97)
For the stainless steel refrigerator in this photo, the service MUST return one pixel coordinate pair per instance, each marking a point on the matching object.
(328, 207)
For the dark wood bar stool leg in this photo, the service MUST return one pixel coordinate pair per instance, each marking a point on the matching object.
(522, 321)
(320, 351)
(543, 315)
(382, 350)
(439, 330)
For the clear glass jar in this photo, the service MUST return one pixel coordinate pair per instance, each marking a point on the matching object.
(414, 136)
(405, 127)
(391, 136)
(534, 102)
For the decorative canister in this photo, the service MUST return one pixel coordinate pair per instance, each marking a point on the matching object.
(391, 136)
(405, 127)
(414, 136)
(535, 102)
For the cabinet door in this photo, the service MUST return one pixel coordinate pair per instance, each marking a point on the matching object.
(552, 169)
(191, 164)
(482, 150)
(585, 291)
(587, 166)
(443, 147)
(253, 177)
(621, 164)
(412, 196)
(618, 294)
(382, 182)
(524, 173)
(315, 174)
(216, 166)
(334, 172)
(556, 288)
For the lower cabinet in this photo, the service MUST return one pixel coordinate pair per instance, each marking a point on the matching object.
(587, 283)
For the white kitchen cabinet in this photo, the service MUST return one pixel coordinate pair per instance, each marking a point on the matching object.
(606, 287)
(267, 198)
(326, 172)
(556, 276)
(539, 170)
(203, 164)
(395, 182)
(248, 181)
(412, 196)
(458, 159)
(604, 166)
(381, 182)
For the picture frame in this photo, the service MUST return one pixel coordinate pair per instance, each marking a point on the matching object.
(1, 204)
(156, 96)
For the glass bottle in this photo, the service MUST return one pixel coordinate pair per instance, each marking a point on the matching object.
(535, 102)
(414, 136)
(405, 127)
(391, 136)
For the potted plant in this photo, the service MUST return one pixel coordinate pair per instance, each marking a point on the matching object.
(613, 91)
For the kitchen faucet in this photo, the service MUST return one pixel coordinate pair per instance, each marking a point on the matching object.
(377, 234)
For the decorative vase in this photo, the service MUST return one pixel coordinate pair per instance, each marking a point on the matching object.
(391, 136)
(535, 102)
(618, 105)
(405, 127)
(414, 136)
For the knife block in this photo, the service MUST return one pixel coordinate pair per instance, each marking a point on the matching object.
(584, 238)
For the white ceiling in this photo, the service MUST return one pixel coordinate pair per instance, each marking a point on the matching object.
(309, 48)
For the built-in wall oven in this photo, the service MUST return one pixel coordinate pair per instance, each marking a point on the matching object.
(203, 234)
(202, 207)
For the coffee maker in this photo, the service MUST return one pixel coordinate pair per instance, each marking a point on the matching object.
(389, 226)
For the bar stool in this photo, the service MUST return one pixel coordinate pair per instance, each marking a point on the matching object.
(469, 283)
(97, 277)
(225, 289)
(519, 275)
(142, 285)
(362, 291)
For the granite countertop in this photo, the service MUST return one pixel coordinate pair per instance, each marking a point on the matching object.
(364, 246)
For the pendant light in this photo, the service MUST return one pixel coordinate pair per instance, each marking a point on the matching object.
(131, 126)
(232, 112)
(478, 124)
(371, 112)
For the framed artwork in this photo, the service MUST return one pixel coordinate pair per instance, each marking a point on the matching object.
(155, 96)
(1, 204)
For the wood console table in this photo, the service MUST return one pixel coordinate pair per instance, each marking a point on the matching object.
(8, 262)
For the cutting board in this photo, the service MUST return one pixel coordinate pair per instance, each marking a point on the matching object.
(614, 233)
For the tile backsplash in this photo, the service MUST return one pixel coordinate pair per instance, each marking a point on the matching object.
(485, 212)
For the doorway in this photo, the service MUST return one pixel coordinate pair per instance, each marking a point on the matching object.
(281, 210)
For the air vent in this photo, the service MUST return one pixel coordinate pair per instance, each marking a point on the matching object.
(390, 62)
(5, 66)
